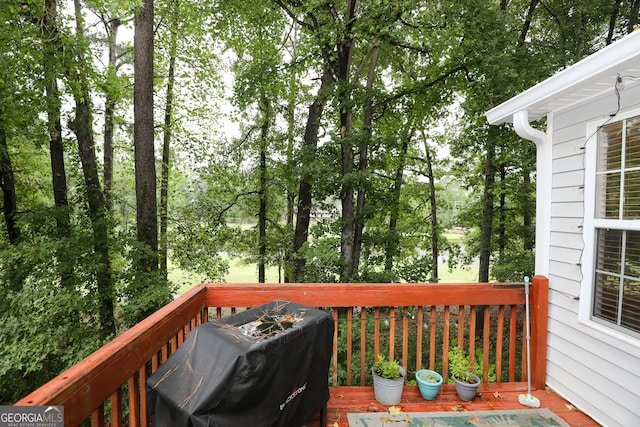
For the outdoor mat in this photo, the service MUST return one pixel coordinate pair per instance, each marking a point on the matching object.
(497, 418)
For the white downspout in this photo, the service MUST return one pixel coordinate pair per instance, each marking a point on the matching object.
(524, 129)
(543, 188)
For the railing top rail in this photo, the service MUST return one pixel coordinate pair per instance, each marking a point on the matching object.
(365, 294)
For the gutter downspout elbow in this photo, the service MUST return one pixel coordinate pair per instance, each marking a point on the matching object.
(524, 129)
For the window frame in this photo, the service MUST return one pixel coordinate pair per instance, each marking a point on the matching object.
(590, 227)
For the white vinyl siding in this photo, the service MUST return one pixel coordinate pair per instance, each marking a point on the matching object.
(594, 367)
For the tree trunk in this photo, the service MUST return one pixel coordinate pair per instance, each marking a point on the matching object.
(502, 212)
(303, 216)
(347, 204)
(345, 56)
(288, 251)
(10, 201)
(435, 252)
(51, 45)
(83, 128)
(392, 243)
(527, 22)
(363, 164)
(262, 214)
(7, 182)
(612, 21)
(166, 144)
(487, 212)
(143, 138)
(290, 189)
(109, 110)
(359, 219)
(633, 16)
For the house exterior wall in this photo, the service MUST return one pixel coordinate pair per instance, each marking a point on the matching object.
(596, 369)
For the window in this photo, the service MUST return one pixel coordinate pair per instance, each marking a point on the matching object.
(616, 297)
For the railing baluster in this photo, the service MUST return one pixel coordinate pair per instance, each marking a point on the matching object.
(180, 338)
(187, 330)
(419, 337)
(335, 345)
(485, 343)
(174, 346)
(405, 337)
(363, 343)
(499, 336)
(97, 417)
(523, 352)
(392, 333)
(376, 333)
(144, 422)
(432, 339)
(155, 362)
(349, 342)
(472, 334)
(513, 329)
(461, 320)
(116, 408)
(134, 402)
(165, 354)
(445, 341)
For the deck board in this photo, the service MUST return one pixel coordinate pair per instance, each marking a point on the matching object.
(494, 397)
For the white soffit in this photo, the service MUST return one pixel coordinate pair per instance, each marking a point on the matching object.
(593, 75)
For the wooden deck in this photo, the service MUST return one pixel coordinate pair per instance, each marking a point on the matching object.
(416, 324)
(494, 397)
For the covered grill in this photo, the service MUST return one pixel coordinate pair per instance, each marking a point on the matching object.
(267, 366)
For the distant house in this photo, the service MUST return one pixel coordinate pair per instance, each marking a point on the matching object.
(588, 226)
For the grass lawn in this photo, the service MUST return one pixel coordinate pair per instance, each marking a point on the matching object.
(238, 273)
(243, 273)
(458, 275)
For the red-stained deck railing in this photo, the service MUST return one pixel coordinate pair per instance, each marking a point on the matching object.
(421, 319)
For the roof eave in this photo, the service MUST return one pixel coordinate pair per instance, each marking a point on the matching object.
(596, 68)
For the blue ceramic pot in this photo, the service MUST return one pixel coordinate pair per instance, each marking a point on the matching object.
(428, 390)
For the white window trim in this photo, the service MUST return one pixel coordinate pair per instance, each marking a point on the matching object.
(588, 233)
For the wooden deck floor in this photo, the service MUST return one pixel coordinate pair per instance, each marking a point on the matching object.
(494, 396)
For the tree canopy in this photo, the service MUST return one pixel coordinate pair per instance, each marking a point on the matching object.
(334, 141)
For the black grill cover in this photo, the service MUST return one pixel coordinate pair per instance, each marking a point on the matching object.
(220, 377)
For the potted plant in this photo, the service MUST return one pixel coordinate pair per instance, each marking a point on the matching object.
(388, 380)
(429, 383)
(466, 382)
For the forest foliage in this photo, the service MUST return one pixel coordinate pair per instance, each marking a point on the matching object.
(333, 140)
